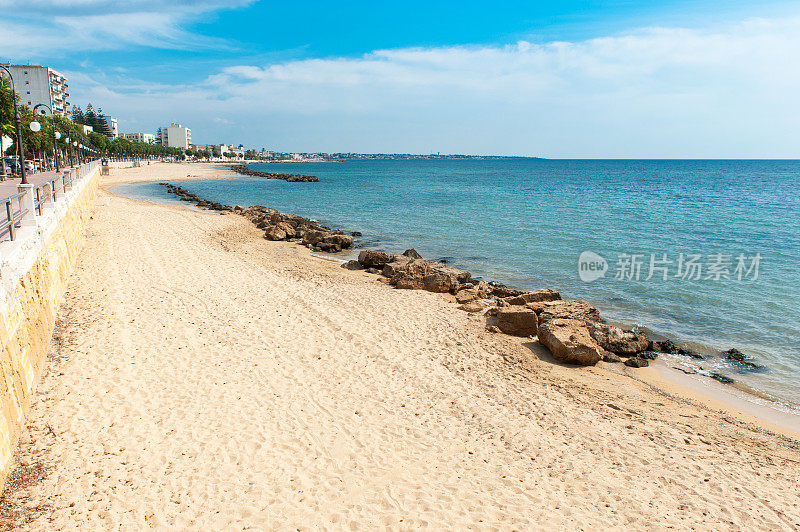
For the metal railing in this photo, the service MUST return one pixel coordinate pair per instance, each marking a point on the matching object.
(13, 216)
(44, 193)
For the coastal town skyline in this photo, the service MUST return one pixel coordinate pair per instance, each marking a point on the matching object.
(566, 81)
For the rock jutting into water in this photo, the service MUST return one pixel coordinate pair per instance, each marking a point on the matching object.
(292, 178)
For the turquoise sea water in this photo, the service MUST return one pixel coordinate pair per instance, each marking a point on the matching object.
(525, 222)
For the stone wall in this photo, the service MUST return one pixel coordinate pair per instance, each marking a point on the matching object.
(34, 271)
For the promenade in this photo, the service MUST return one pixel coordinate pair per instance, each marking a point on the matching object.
(202, 377)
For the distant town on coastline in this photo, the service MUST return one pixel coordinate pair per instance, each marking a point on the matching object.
(46, 90)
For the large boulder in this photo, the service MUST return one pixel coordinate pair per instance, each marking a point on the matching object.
(411, 276)
(571, 309)
(569, 341)
(617, 340)
(338, 239)
(412, 254)
(373, 259)
(287, 228)
(545, 294)
(393, 268)
(517, 321)
(501, 291)
(466, 295)
(275, 233)
(352, 265)
(313, 237)
(421, 274)
(439, 281)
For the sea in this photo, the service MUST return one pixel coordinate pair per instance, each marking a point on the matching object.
(703, 252)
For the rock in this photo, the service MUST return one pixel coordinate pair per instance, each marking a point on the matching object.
(501, 291)
(352, 265)
(689, 353)
(439, 281)
(616, 340)
(569, 341)
(412, 254)
(517, 321)
(274, 233)
(545, 294)
(637, 362)
(733, 354)
(412, 275)
(426, 275)
(292, 178)
(356, 233)
(573, 310)
(393, 268)
(493, 329)
(466, 295)
(373, 259)
(669, 347)
(373, 270)
(313, 237)
(608, 356)
(741, 360)
(340, 240)
(287, 228)
(722, 378)
(477, 305)
(649, 355)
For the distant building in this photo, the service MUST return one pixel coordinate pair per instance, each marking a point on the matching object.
(148, 138)
(174, 136)
(87, 129)
(40, 84)
(111, 122)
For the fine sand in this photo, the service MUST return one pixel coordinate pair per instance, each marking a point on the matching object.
(205, 378)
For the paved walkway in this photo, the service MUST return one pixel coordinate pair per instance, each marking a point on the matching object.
(9, 187)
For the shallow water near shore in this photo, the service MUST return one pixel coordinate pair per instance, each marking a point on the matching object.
(526, 222)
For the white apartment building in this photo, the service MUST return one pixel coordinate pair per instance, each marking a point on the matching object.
(39, 84)
(174, 136)
(148, 138)
(112, 126)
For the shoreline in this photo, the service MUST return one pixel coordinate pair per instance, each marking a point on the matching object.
(708, 389)
(194, 359)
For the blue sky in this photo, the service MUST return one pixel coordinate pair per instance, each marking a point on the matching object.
(682, 78)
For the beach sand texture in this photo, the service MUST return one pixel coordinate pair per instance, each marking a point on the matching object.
(205, 378)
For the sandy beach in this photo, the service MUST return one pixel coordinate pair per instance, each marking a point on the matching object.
(202, 377)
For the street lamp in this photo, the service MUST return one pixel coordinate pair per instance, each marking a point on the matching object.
(18, 128)
(56, 134)
(77, 152)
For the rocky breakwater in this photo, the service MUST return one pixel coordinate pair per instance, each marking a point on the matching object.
(292, 178)
(294, 228)
(277, 226)
(572, 330)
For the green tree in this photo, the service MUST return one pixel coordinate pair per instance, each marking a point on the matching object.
(77, 115)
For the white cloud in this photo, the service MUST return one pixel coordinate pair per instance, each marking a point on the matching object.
(53, 27)
(660, 92)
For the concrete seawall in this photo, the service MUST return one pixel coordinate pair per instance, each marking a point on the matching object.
(34, 271)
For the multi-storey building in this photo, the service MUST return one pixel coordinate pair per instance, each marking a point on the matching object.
(174, 136)
(112, 126)
(39, 84)
(149, 138)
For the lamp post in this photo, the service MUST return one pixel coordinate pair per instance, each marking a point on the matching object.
(77, 152)
(18, 127)
(56, 135)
